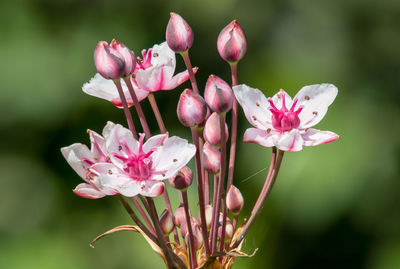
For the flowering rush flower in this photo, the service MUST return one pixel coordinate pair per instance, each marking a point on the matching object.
(155, 71)
(118, 163)
(283, 122)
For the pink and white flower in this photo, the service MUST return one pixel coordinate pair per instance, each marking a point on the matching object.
(139, 168)
(155, 71)
(283, 122)
(81, 159)
(106, 89)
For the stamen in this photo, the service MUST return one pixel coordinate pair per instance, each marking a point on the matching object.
(272, 104)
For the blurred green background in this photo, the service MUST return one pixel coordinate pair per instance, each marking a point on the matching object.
(333, 206)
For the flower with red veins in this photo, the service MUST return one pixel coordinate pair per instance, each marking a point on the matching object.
(139, 168)
(106, 89)
(81, 159)
(283, 122)
(155, 71)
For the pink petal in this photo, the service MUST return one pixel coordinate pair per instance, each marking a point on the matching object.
(178, 79)
(153, 188)
(109, 178)
(171, 157)
(88, 191)
(153, 78)
(261, 137)
(120, 141)
(255, 106)
(74, 155)
(98, 145)
(315, 100)
(313, 137)
(290, 141)
(154, 142)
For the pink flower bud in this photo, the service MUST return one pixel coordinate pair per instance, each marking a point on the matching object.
(231, 42)
(205, 120)
(109, 62)
(179, 35)
(234, 200)
(166, 222)
(218, 94)
(192, 109)
(211, 158)
(197, 237)
(183, 179)
(179, 216)
(184, 228)
(127, 55)
(228, 230)
(208, 210)
(212, 131)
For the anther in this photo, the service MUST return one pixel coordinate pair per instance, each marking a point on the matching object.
(110, 172)
(315, 113)
(268, 130)
(257, 104)
(254, 117)
(307, 97)
(155, 54)
(174, 160)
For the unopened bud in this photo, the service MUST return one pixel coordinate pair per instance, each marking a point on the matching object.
(234, 200)
(127, 55)
(208, 212)
(179, 216)
(182, 180)
(179, 35)
(184, 227)
(197, 237)
(218, 94)
(201, 125)
(228, 228)
(166, 222)
(211, 158)
(192, 109)
(212, 131)
(109, 62)
(231, 42)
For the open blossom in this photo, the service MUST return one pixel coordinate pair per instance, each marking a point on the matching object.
(139, 168)
(106, 89)
(81, 159)
(155, 71)
(283, 122)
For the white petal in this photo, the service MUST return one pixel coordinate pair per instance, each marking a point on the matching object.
(74, 155)
(315, 100)
(107, 129)
(109, 178)
(255, 106)
(178, 79)
(120, 138)
(261, 137)
(163, 55)
(154, 78)
(98, 148)
(290, 141)
(88, 191)
(154, 142)
(153, 188)
(278, 98)
(313, 137)
(130, 189)
(171, 157)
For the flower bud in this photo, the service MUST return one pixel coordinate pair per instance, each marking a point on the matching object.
(212, 131)
(166, 222)
(234, 200)
(208, 210)
(201, 125)
(179, 216)
(211, 158)
(109, 62)
(231, 42)
(228, 229)
(197, 237)
(179, 35)
(127, 55)
(184, 227)
(192, 109)
(182, 180)
(218, 94)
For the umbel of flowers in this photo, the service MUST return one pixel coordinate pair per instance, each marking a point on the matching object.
(134, 166)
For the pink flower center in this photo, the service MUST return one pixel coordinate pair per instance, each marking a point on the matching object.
(138, 166)
(145, 62)
(283, 119)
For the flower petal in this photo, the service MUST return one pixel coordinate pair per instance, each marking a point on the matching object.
(153, 188)
(88, 191)
(255, 106)
(79, 158)
(290, 141)
(278, 98)
(107, 129)
(163, 55)
(154, 142)
(109, 178)
(261, 137)
(106, 89)
(171, 157)
(178, 79)
(154, 78)
(121, 140)
(315, 100)
(313, 137)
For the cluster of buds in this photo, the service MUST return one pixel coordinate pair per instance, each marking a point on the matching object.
(127, 164)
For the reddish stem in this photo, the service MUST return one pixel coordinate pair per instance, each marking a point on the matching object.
(144, 215)
(157, 113)
(186, 59)
(128, 115)
(192, 251)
